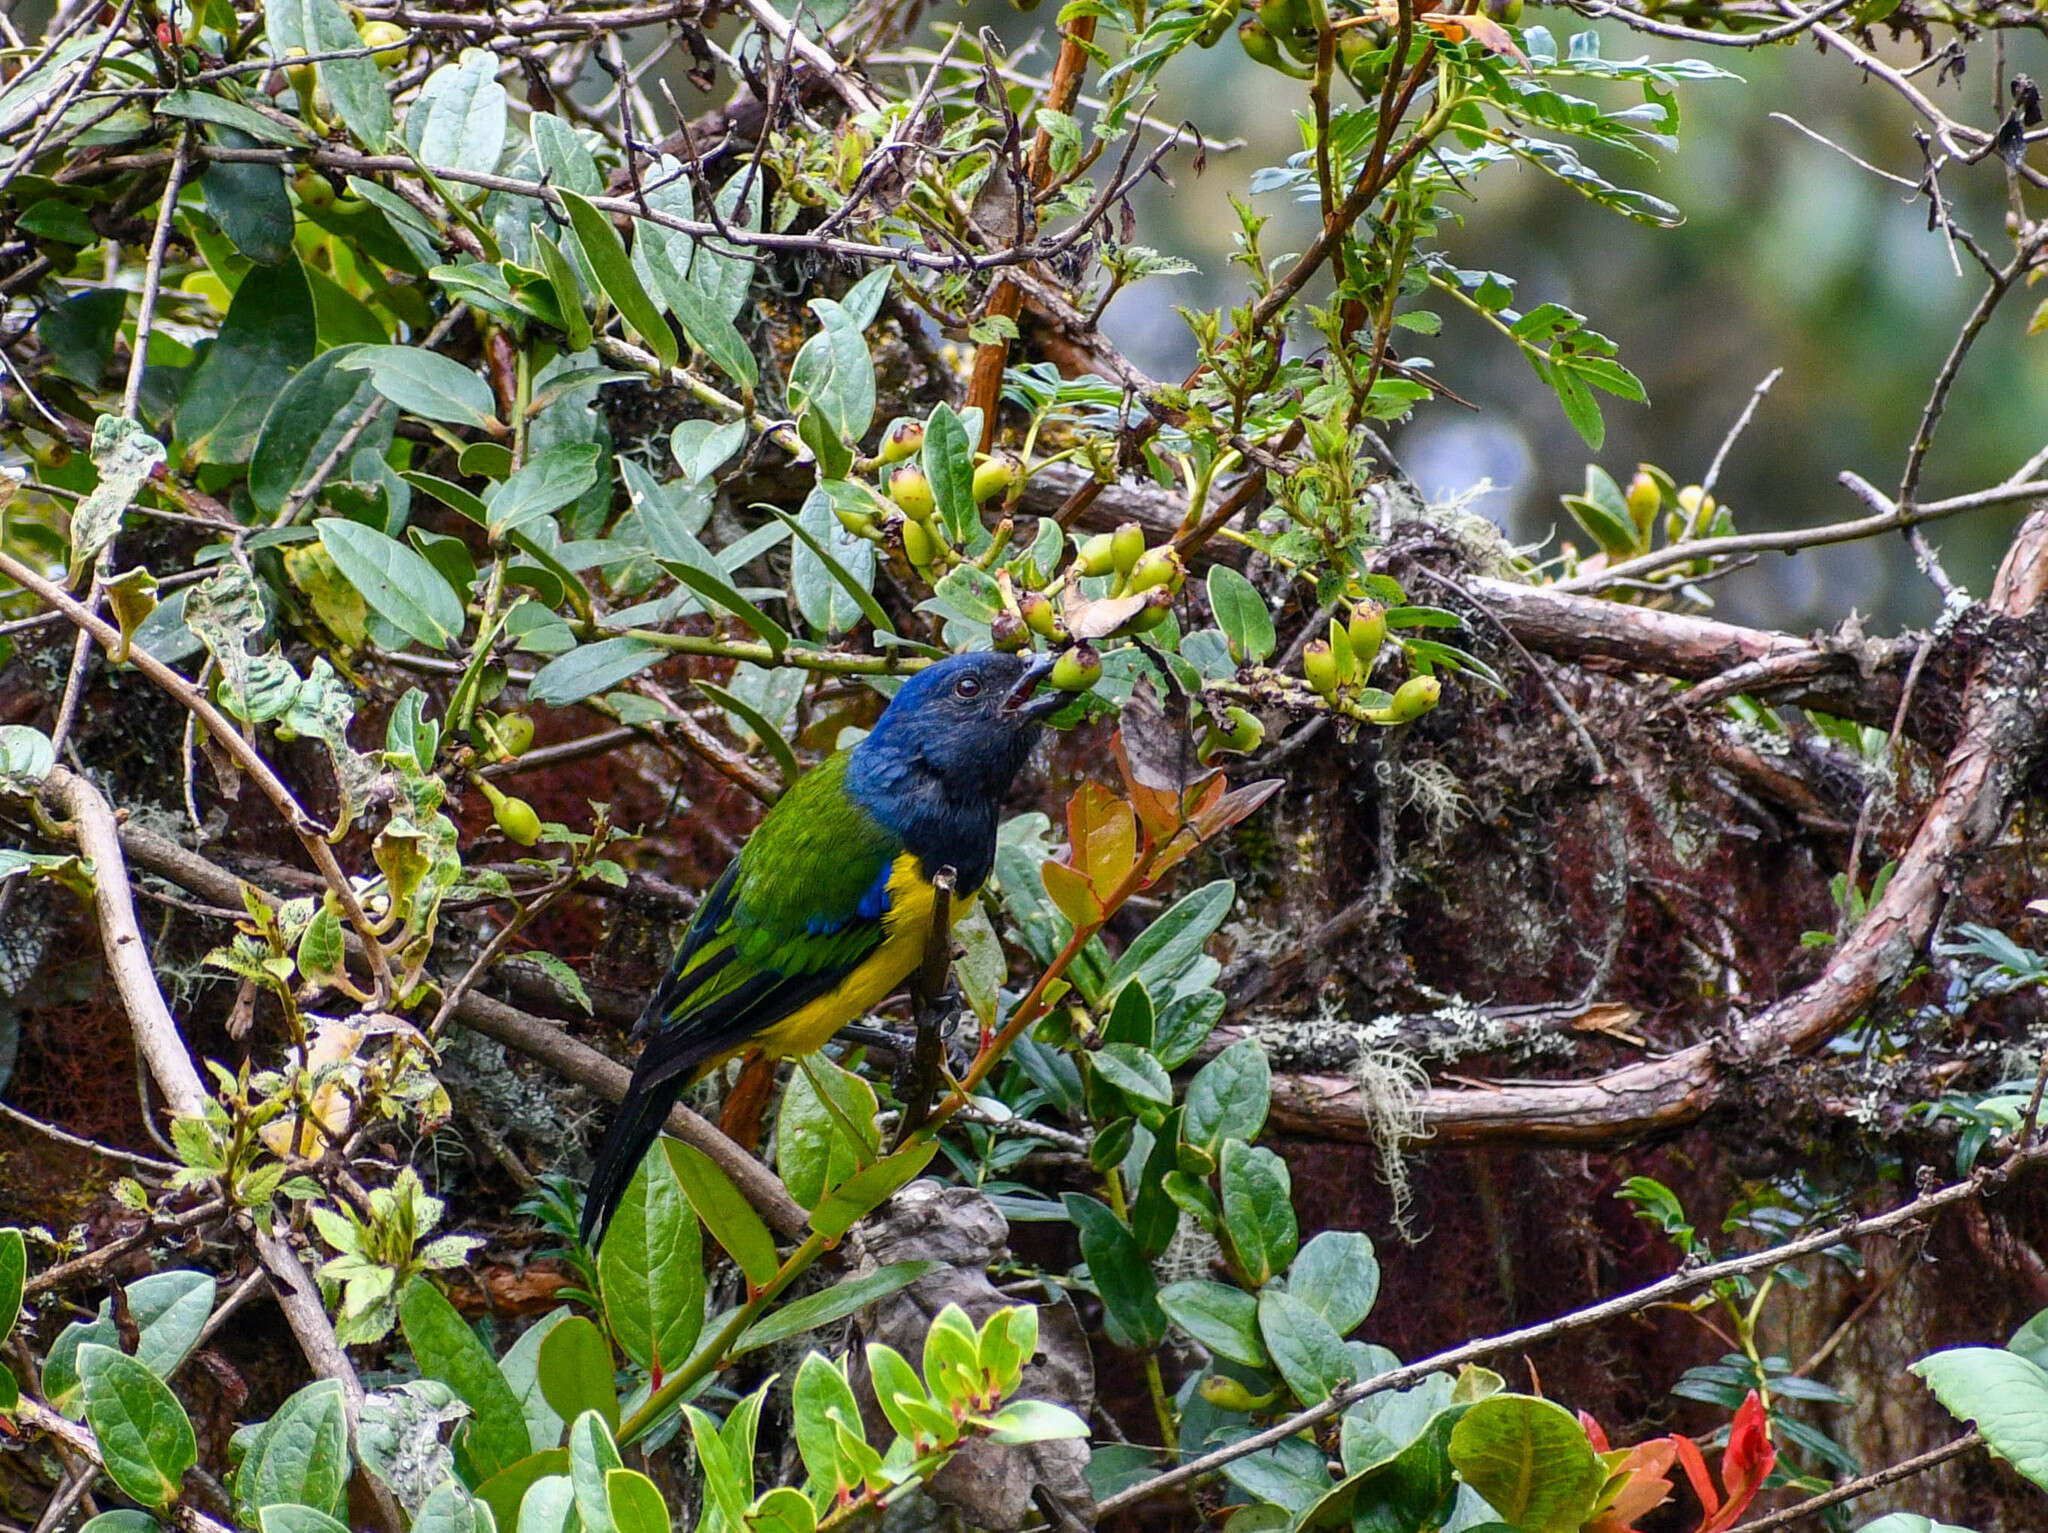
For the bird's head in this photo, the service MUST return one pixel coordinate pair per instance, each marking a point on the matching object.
(969, 721)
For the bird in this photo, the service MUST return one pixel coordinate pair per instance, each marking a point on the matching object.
(824, 912)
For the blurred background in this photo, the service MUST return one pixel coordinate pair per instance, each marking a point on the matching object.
(1791, 256)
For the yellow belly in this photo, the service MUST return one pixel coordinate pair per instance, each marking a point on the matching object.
(880, 976)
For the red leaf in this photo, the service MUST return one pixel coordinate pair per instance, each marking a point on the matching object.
(1744, 1464)
(1595, 1433)
(1646, 1487)
(1695, 1469)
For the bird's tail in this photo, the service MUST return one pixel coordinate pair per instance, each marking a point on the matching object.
(634, 1129)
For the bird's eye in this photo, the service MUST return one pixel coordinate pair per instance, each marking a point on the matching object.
(967, 686)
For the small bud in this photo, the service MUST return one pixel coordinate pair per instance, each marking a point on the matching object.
(1008, 633)
(1127, 547)
(1319, 666)
(1368, 630)
(1077, 669)
(909, 488)
(905, 440)
(1415, 697)
(1158, 567)
(1644, 500)
(993, 476)
(1097, 555)
(1043, 618)
(1225, 1393)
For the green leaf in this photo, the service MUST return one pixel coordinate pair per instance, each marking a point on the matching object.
(284, 1517)
(830, 570)
(712, 332)
(300, 1455)
(1258, 1210)
(592, 1457)
(782, 1510)
(200, 106)
(322, 403)
(508, 1492)
(549, 481)
(2004, 1394)
(2029, 1341)
(834, 374)
(1309, 1355)
(355, 85)
(1228, 1098)
(1034, 1421)
(724, 279)
(720, 593)
(429, 385)
(521, 1367)
(144, 1435)
(450, 1508)
(170, 1309)
(651, 1270)
(823, 1403)
(757, 723)
(269, 333)
(248, 201)
(1909, 1522)
(869, 1188)
(701, 448)
(1135, 1073)
(561, 275)
(1222, 1318)
(590, 669)
(1132, 1318)
(834, 1303)
(1338, 1276)
(634, 1502)
(724, 1212)
(948, 459)
(813, 1153)
(26, 757)
(79, 333)
(1242, 614)
(13, 1268)
(401, 586)
(575, 1372)
(126, 1520)
(445, 1348)
(614, 273)
(458, 118)
(1531, 1460)
(1170, 943)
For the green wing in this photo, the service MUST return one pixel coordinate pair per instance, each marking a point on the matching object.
(799, 909)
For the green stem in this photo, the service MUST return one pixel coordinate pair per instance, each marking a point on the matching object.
(712, 1354)
(825, 662)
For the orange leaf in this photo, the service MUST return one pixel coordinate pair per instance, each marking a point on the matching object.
(1645, 1488)
(1102, 836)
(1482, 29)
(1070, 891)
(1695, 1469)
(1227, 809)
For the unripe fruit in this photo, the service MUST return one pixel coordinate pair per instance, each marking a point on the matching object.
(1368, 631)
(859, 522)
(1319, 666)
(919, 546)
(1225, 1393)
(993, 477)
(909, 488)
(1097, 555)
(1008, 633)
(315, 190)
(1158, 567)
(1260, 48)
(905, 440)
(1697, 505)
(1042, 617)
(510, 735)
(1158, 603)
(388, 38)
(1127, 547)
(304, 81)
(515, 817)
(1416, 696)
(1644, 500)
(1077, 669)
(1243, 735)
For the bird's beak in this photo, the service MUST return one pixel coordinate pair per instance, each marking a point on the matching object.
(1020, 704)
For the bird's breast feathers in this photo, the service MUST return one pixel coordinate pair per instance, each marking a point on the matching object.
(876, 977)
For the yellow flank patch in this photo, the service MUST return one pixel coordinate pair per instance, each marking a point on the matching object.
(878, 977)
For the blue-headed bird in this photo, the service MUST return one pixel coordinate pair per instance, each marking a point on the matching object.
(825, 911)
